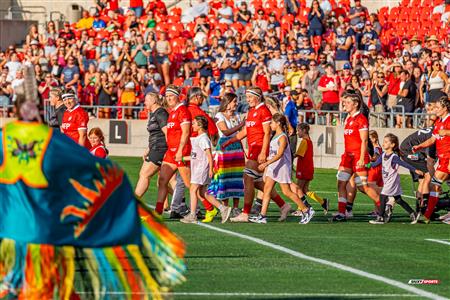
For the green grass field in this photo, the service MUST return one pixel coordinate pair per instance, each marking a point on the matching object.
(222, 265)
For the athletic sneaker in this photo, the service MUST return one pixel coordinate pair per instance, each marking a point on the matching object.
(446, 221)
(414, 218)
(285, 209)
(189, 219)
(388, 213)
(260, 219)
(307, 216)
(225, 213)
(209, 215)
(444, 217)
(349, 214)
(378, 221)
(325, 206)
(256, 208)
(338, 218)
(175, 215)
(373, 213)
(241, 218)
(297, 213)
(235, 212)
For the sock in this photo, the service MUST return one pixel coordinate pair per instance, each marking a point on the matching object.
(208, 206)
(159, 207)
(432, 201)
(315, 197)
(342, 204)
(279, 201)
(349, 206)
(303, 198)
(258, 202)
(247, 208)
(405, 205)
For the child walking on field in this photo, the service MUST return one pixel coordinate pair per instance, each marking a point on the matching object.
(305, 168)
(278, 170)
(201, 169)
(390, 162)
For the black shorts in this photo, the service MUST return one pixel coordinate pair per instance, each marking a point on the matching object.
(419, 164)
(156, 156)
(330, 106)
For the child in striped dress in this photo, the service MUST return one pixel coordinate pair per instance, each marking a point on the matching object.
(390, 162)
(278, 170)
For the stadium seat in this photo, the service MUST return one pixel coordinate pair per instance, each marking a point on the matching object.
(404, 3)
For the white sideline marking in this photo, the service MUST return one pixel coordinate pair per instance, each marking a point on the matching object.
(202, 294)
(438, 241)
(339, 266)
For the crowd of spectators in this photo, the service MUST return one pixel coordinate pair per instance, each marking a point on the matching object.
(309, 55)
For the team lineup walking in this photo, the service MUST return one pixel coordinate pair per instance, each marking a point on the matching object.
(233, 156)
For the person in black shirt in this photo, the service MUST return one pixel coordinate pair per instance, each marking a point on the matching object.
(57, 108)
(157, 145)
(407, 97)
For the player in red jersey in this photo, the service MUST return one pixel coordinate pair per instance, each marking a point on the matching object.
(75, 120)
(356, 156)
(257, 131)
(97, 140)
(178, 144)
(441, 136)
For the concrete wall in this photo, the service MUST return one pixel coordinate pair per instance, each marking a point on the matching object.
(13, 32)
(328, 141)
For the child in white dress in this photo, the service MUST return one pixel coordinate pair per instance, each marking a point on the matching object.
(201, 168)
(278, 170)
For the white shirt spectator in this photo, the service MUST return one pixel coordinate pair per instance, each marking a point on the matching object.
(325, 5)
(13, 66)
(200, 8)
(276, 69)
(228, 12)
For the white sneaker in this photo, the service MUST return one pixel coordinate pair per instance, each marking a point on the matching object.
(349, 214)
(297, 213)
(285, 209)
(307, 216)
(225, 213)
(241, 218)
(260, 219)
(189, 219)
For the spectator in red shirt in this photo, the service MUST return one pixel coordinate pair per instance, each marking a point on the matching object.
(394, 84)
(46, 85)
(329, 85)
(261, 77)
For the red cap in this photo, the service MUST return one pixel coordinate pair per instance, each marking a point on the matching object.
(216, 73)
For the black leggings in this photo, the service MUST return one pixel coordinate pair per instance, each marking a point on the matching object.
(398, 199)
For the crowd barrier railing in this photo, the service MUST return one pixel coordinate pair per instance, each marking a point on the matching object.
(313, 116)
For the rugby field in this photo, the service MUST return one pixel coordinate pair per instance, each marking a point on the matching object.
(319, 260)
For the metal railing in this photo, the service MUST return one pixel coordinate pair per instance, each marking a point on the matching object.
(313, 116)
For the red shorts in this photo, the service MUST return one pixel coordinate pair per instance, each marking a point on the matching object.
(306, 175)
(350, 159)
(374, 175)
(254, 151)
(169, 157)
(443, 162)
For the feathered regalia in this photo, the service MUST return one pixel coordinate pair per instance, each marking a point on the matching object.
(70, 225)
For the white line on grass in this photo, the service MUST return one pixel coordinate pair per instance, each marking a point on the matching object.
(203, 294)
(339, 266)
(438, 241)
(335, 193)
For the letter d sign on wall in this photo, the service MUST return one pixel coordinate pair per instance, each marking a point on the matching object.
(118, 132)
